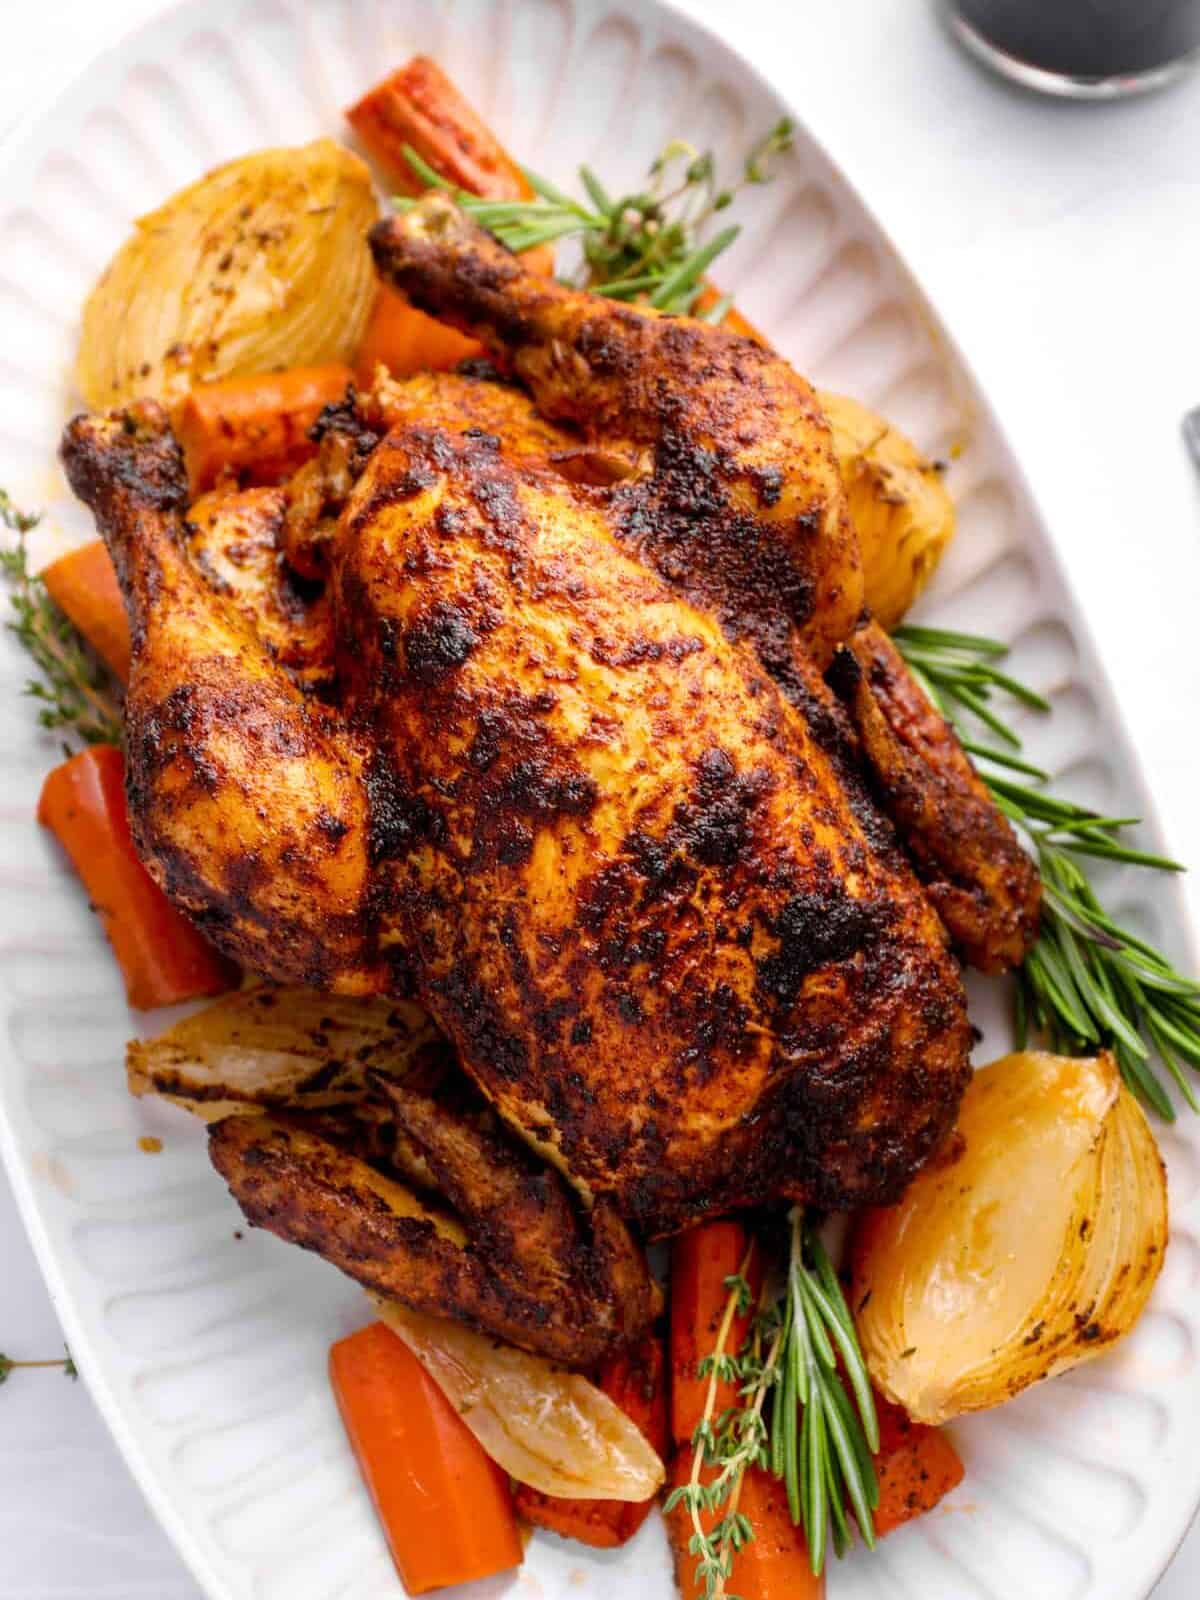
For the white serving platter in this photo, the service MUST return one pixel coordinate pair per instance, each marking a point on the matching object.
(206, 1351)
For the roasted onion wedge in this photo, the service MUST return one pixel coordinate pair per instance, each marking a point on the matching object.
(261, 264)
(547, 1427)
(1032, 1251)
(278, 1047)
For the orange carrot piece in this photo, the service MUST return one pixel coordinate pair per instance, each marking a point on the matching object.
(635, 1380)
(420, 107)
(733, 321)
(255, 426)
(444, 1505)
(163, 956)
(701, 1261)
(916, 1465)
(83, 584)
(774, 1565)
(405, 340)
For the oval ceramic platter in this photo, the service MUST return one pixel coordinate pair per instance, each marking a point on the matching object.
(206, 1350)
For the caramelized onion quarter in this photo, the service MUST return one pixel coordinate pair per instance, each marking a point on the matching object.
(546, 1427)
(1032, 1251)
(261, 264)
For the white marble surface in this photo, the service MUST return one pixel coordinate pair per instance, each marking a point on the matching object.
(1062, 245)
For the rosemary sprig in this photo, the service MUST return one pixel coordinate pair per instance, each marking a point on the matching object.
(76, 693)
(65, 1363)
(821, 1440)
(1088, 982)
(794, 1417)
(643, 245)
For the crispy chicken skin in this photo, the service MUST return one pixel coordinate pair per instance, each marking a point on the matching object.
(628, 879)
(728, 487)
(235, 540)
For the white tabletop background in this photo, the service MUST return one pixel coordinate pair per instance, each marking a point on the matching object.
(1062, 245)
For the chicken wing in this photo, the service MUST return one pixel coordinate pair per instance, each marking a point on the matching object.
(514, 1257)
(985, 887)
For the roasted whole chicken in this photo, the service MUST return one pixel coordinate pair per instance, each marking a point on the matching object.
(583, 738)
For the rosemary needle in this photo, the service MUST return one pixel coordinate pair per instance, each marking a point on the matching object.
(1088, 982)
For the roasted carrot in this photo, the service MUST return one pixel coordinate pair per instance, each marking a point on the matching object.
(916, 1466)
(418, 106)
(774, 1565)
(163, 957)
(405, 340)
(635, 1380)
(444, 1505)
(83, 584)
(702, 1262)
(256, 426)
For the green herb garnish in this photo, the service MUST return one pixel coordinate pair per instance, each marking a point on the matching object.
(76, 692)
(796, 1416)
(642, 245)
(1088, 982)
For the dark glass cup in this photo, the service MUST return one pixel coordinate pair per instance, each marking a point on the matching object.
(1085, 48)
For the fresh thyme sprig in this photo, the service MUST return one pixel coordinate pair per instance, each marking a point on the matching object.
(794, 1417)
(642, 245)
(724, 1447)
(1088, 981)
(65, 1363)
(76, 692)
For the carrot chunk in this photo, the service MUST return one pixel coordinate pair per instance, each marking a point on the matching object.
(405, 340)
(444, 1505)
(418, 106)
(635, 1380)
(916, 1466)
(774, 1565)
(255, 426)
(83, 584)
(701, 1262)
(163, 957)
